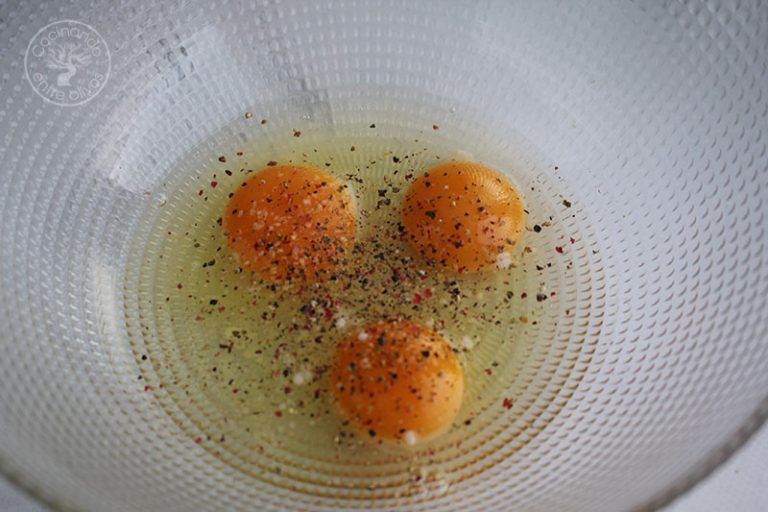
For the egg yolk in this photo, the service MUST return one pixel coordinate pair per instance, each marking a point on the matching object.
(397, 380)
(290, 222)
(464, 216)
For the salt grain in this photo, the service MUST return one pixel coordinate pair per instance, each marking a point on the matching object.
(301, 377)
(504, 260)
(410, 437)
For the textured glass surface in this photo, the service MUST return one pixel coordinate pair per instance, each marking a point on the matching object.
(654, 113)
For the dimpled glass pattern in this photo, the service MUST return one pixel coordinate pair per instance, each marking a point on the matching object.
(655, 114)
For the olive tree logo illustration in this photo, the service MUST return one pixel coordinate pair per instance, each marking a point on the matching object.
(67, 63)
(67, 57)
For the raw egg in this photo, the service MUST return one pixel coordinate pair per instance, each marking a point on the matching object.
(397, 380)
(464, 216)
(290, 222)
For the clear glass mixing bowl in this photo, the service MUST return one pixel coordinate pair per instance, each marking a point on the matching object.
(651, 115)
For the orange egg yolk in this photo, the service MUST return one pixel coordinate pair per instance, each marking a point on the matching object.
(290, 222)
(464, 216)
(397, 380)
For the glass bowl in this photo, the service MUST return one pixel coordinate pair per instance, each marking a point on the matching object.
(641, 124)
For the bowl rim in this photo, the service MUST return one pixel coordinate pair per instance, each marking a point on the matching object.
(712, 460)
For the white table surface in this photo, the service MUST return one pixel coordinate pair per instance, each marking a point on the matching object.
(740, 485)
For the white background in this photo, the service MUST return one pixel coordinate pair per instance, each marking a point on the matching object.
(741, 484)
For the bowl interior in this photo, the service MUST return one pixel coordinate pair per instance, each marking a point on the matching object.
(648, 119)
